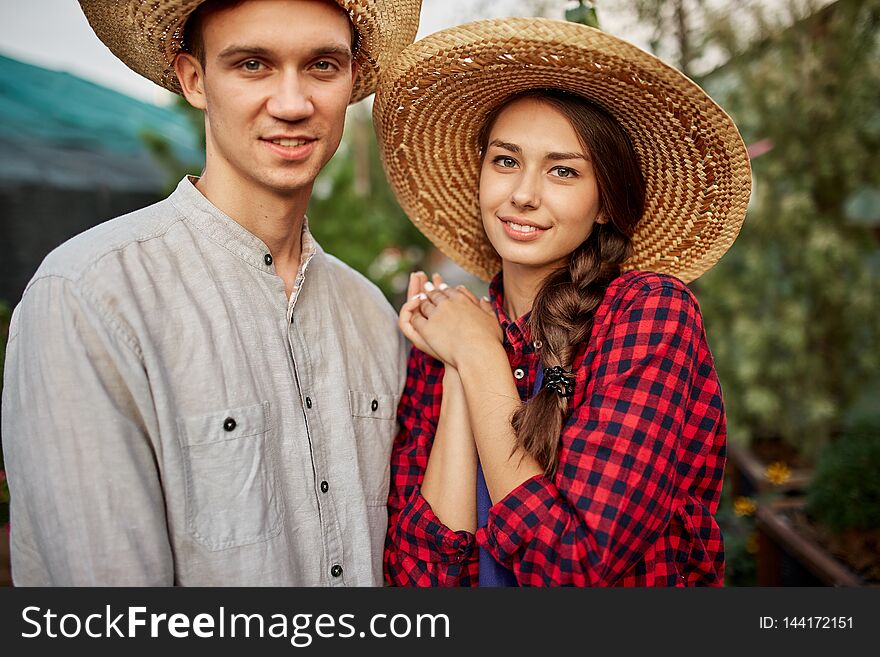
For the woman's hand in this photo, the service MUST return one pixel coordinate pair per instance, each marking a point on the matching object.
(416, 292)
(453, 323)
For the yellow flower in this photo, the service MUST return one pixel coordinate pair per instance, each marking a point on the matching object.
(777, 473)
(744, 506)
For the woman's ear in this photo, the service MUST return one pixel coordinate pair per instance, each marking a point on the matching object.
(191, 76)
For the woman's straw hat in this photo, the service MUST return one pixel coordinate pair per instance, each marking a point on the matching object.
(434, 97)
(148, 34)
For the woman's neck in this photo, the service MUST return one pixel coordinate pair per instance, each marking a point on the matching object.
(521, 285)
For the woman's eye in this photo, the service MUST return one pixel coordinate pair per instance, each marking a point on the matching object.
(252, 65)
(505, 162)
(565, 172)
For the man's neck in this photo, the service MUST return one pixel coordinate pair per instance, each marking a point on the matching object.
(275, 219)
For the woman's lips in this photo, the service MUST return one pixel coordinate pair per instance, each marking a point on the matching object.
(521, 232)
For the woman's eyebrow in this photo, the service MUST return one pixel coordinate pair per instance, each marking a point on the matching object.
(552, 156)
(566, 156)
(513, 148)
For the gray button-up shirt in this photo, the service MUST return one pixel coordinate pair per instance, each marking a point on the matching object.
(171, 417)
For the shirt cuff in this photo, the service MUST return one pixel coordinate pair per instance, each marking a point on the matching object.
(423, 536)
(514, 521)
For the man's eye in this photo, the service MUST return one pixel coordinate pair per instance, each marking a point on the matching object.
(252, 65)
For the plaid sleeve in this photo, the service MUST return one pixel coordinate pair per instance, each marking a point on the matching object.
(615, 488)
(419, 549)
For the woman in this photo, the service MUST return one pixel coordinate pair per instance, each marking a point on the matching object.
(569, 430)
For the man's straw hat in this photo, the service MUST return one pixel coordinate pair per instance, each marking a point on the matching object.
(434, 97)
(147, 34)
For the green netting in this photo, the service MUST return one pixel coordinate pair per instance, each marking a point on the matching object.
(63, 110)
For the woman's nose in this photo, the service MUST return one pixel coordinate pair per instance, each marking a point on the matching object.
(526, 194)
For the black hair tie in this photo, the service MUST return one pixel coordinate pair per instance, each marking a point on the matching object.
(559, 381)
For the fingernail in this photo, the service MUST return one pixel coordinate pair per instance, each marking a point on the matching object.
(429, 286)
(485, 298)
(422, 296)
(444, 286)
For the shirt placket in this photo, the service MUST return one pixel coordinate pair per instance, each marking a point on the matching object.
(523, 361)
(332, 560)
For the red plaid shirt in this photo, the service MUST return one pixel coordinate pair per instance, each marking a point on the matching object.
(641, 460)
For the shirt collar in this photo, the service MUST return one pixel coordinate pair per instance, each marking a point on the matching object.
(516, 331)
(228, 233)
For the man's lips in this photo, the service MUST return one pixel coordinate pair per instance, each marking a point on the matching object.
(290, 147)
(289, 141)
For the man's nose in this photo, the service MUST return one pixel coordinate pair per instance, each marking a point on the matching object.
(290, 100)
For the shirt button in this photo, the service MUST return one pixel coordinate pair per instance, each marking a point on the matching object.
(519, 373)
(267, 259)
(375, 405)
(308, 402)
(324, 486)
(229, 424)
(336, 571)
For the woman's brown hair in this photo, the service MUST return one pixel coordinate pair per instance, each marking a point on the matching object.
(565, 305)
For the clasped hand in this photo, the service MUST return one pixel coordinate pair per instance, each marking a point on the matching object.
(449, 324)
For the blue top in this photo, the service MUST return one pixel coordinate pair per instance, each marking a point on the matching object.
(492, 573)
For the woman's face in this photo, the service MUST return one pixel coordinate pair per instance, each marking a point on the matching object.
(538, 193)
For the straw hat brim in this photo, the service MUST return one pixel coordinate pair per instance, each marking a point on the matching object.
(147, 34)
(434, 98)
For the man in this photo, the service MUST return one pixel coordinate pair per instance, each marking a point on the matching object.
(195, 393)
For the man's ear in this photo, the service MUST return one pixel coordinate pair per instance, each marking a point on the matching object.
(191, 76)
(355, 68)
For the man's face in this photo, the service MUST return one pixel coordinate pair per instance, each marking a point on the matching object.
(276, 82)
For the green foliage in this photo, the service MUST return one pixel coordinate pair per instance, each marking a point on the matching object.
(163, 152)
(791, 310)
(584, 13)
(740, 541)
(845, 493)
(354, 215)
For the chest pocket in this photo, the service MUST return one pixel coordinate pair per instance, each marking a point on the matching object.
(373, 418)
(231, 496)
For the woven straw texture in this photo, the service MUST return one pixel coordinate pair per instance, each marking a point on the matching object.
(148, 34)
(433, 99)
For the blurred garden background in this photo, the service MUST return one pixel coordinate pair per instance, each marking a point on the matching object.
(791, 310)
